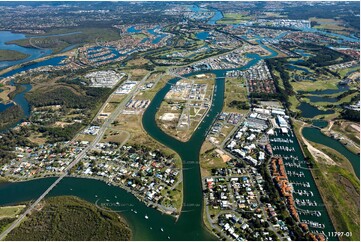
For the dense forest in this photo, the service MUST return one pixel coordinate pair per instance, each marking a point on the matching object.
(323, 56)
(65, 96)
(10, 116)
(70, 218)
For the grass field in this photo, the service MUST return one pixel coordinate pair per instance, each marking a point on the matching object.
(314, 86)
(343, 72)
(333, 25)
(233, 18)
(116, 136)
(12, 55)
(10, 211)
(209, 159)
(235, 91)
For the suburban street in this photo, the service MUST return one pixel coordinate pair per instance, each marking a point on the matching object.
(107, 123)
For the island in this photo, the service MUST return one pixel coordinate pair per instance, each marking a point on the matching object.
(12, 55)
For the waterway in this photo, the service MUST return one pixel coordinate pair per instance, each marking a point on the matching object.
(309, 111)
(19, 98)
(315, 135)
(189, 226)
(294, 67)
(300, 177)
(217, 16)
(6, 36)
(339, 89)
(202, 35)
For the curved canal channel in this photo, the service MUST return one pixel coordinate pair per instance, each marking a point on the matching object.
(158, 226)
(315, 135)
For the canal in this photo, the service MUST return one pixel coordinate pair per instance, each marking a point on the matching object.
(189, 226)
(307, 198)
(315, 135)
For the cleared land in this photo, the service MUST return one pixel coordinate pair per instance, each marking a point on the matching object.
(10, 211)
(235, 99)
(209, 159)
(6, 90)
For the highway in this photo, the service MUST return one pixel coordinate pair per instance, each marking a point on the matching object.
(76, 160)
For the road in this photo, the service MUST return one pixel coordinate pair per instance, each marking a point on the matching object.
(98, 137)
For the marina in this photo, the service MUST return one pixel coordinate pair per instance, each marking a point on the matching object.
(307, 199)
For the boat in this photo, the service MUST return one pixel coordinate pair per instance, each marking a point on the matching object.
(107, 200)
(150, 227)
(117, 203)
(96, 195)
(135, 211)
(146, 217)
(115, 196)
(161, 229)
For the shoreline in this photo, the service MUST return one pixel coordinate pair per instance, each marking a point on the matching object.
(4, 180)
(318, 178)
(36, 60)
(200, 121)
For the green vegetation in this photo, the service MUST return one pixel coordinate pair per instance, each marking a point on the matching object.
(11, 139)
(338, 186)
(235, 96)
(349, 114)
(323, 56)
(76, 36)
(233, 18)
(74, 101)
(12, 55)
(69, 218)
(10, 211)
(10, 116)
(67, 97)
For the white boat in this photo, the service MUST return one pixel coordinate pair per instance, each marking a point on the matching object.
(107, 200)
(135, 211)
(161, 229)
(146, 217)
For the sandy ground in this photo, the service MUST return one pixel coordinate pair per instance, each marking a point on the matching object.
(319, 155)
